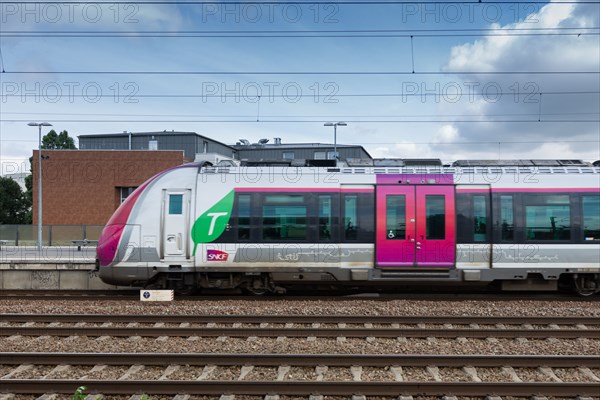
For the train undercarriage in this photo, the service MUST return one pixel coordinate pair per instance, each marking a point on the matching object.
(262, 283)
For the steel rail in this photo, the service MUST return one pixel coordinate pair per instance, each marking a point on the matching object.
(120, 295)
(313, 360)
(35, 386)
(302, 319)
(299, 332)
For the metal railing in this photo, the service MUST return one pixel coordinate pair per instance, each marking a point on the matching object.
(52, 235)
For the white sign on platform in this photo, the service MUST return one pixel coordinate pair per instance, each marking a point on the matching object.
(156, 295)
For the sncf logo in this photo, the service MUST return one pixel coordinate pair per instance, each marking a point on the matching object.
(216, 255)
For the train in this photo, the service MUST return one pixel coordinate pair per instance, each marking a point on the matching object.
(528, 225)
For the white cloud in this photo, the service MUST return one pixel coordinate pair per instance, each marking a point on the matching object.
(535, 53)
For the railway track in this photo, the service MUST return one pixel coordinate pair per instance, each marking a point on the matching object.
(202, 383)
(570, 389)
(311, 360)
(289, 373)
(299, 319)
(313, 326)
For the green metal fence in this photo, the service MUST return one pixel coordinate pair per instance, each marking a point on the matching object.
(52, 235)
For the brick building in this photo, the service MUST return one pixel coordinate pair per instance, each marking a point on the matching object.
(86, 187)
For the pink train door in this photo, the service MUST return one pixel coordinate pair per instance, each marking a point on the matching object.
(415, 226)
(436, 237)
(396, 228)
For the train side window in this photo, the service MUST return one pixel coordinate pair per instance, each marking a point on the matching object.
(395, 217)
(175, 204)
(507, 218)
(479, 219)
(325, 217)
(350, 217)
(591, 217)
(243, 214)
(284, 219)
(435, 214)
(548, 217)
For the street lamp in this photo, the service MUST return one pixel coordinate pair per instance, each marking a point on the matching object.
(39, 125)
(335, 125)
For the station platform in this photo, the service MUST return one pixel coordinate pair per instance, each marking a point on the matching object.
(52, 268)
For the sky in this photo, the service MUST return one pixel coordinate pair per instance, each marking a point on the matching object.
(449, 80)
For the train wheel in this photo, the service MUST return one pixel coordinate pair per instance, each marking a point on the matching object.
(257, 292)
(259, 286)
(585, 285)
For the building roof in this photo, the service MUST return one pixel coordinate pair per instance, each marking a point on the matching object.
(292, 146)
(155, 133)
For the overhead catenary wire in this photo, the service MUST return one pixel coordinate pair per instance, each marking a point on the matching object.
(343, 116)
(283, 73)
(300, 95)
(321, 120)
(292, 34)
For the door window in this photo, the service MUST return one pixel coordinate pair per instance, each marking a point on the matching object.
(435, 214)
(395, 217)
(175, 204)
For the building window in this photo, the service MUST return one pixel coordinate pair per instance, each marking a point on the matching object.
(124, 192)
(205, 146)
(591, 217)
(320, 155)
(153, 144)
(288, 155)
(331, 155)
(548, 218)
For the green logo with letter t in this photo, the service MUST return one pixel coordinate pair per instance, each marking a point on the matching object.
(210, 225)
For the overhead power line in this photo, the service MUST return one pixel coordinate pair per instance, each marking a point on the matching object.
(303, 116)
(321, 120)
(305, 72)
(252, 95)
(272, 34)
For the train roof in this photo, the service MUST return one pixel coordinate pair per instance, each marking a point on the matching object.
(415, 166)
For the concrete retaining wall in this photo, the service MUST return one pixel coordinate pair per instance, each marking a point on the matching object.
(50, 276)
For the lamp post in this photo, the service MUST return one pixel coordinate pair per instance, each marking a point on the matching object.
(335, 125)
(39, 125)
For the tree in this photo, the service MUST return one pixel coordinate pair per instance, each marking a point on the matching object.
(50, 141)
(14, 205)
(53, 141)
